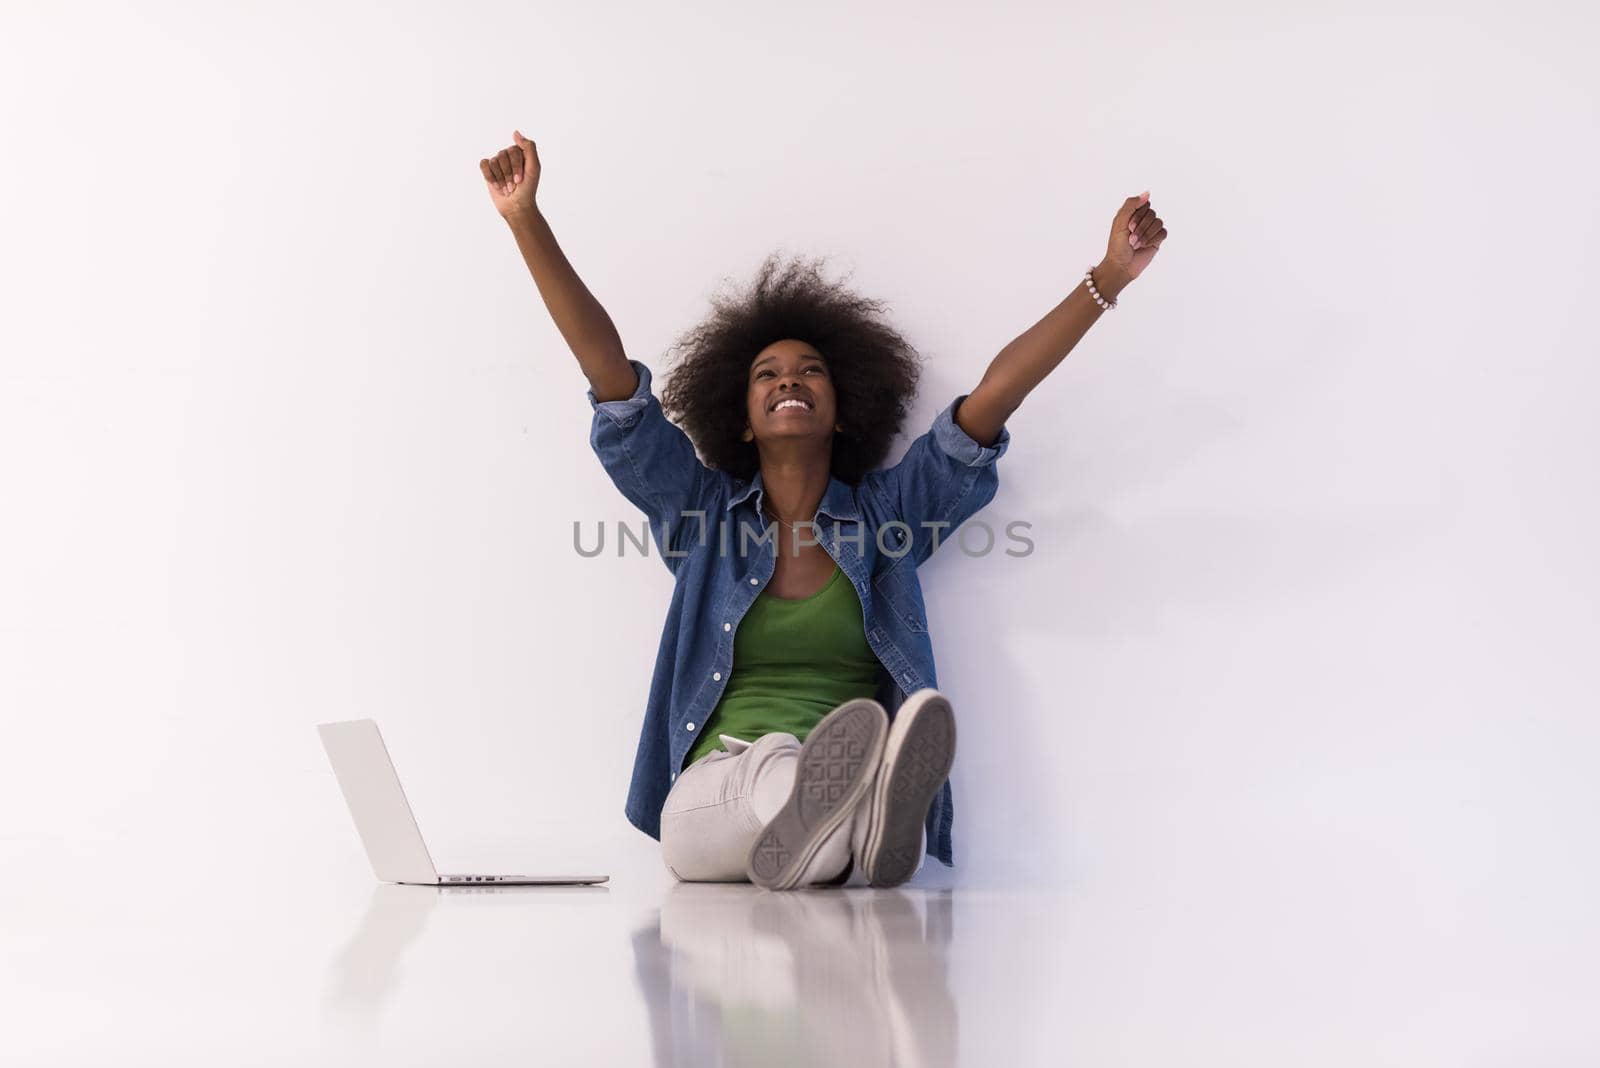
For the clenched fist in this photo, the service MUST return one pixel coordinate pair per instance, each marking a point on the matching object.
(512, 176)
(1136, 235)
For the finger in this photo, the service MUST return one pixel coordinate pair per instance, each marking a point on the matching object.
(505, 166)
(1148, 227)
(1128, 207)
(519, 165)
(1151, 243)
(530, 155)
(1134, 217)
(488, 175)
(495, 175)
(504, 160)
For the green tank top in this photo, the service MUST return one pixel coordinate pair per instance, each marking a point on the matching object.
(794, 661)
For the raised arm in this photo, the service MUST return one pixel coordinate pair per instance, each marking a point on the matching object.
(512, 176)
(1136, 233)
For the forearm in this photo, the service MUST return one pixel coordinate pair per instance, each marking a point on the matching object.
(583, 322)
(1030, 357)
(1037, 351)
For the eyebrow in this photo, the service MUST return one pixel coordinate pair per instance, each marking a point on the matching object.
(804, 356)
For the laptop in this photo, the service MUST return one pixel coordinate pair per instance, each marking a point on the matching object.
(383, 815)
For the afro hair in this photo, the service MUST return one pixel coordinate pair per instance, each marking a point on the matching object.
(873, 368)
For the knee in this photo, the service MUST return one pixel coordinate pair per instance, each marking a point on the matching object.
(779, 744)
(775, 741)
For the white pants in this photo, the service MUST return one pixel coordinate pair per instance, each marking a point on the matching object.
(719, 804)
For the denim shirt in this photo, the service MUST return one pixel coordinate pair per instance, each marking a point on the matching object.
(712, 535)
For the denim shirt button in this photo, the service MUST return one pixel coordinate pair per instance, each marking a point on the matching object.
(716, 676)
(754, 582)
(688, 726)
(727, 626)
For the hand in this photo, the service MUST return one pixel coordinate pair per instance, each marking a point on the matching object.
(512, 176)
(1136, 235)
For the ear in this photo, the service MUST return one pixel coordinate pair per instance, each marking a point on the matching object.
(748, 434)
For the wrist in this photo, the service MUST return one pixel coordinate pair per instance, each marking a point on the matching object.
(1109, 280)
(516, 217)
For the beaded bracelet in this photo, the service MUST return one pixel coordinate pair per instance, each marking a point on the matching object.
(1088, 280)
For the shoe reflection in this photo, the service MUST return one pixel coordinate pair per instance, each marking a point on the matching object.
(733, 975)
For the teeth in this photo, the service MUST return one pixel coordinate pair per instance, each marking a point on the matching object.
(788, 403)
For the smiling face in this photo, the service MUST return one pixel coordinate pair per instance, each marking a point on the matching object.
(789, 395)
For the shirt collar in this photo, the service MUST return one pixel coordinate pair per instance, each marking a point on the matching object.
(839, 501)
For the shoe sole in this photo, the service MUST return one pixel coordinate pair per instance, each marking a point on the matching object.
(917, 760)
(836, 765)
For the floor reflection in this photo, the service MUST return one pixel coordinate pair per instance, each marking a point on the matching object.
(364, 970)
(737, 976)
(367, 968)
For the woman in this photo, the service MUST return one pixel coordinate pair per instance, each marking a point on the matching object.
(780, 744)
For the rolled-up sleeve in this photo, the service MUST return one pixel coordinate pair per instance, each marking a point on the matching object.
(653, 463)
(944, 479)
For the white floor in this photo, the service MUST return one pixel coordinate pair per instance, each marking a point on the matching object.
(132, 967)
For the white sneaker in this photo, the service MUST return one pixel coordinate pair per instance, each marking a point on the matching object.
(917, 757)
(836, 767)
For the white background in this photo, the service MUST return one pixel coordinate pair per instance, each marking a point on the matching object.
(286, 434)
